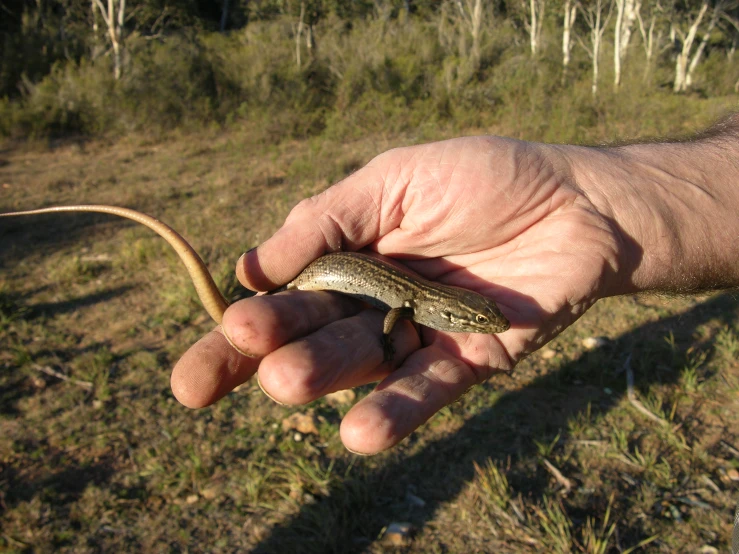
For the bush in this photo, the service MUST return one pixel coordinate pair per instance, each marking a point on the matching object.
(373, 75)
(71, 99)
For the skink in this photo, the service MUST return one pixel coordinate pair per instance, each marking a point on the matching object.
(381, 284)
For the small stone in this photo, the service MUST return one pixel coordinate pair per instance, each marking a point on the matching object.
(340, 398)
(192, 499)
(414, 500)
(399, 533)
(707, 549)
(306, 423)
(732, 474)
(591, 343)
(297, 437)
(548, 353)
(211, 492)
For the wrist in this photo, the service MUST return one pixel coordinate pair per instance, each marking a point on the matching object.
(674, 209)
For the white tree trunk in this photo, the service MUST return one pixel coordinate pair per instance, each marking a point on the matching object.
(476, 26)
(596, 50)
(631, 14)
(532, 34)
(114, 17)
(471, 13)
(627, 13)
(702, 46)
(570, 13)
(620, 4)
(94, 20)
(299, 34)
(534, 22)
(597, 23)
(648, 42)
(681, 63)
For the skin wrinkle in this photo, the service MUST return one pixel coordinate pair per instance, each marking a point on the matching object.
(480, 371)
(438, 370)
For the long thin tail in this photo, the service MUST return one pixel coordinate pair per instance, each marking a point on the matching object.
(208, 292)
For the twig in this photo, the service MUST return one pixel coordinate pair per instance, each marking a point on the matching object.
(730, 448)
(632, 395)
(561, 479)
(707, 480)
(589, 442)
(54, 373)
(15, 542)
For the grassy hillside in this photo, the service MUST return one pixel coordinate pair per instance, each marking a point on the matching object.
(106, 460)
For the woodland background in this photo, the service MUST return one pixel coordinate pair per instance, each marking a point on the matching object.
(545, 69)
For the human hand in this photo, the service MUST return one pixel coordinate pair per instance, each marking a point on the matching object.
(502, 217)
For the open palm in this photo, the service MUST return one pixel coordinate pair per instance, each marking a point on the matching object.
(498, 216)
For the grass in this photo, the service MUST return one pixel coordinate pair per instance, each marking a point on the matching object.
(122, 466)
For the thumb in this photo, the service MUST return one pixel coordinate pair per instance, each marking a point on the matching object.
(347, 216)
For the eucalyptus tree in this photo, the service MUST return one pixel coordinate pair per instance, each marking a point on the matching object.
(597, 14)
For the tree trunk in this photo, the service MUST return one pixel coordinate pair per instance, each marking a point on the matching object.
(702, 45)
(471, 14)
(569, 22)
(596, 51)
(534, 22)
(597, 24)
(628, 12)
(631, 13)
(476, 26)
(681, 63)
(647, 42)
(532, 34)
(94, 21)
(617, 43)
(114, 22)
(299, 34)
(224, 15)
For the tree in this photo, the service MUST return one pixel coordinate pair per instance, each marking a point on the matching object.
(471, 14)
(597, 21)
(309, 13)
(533, 21)
(570, 13)
(684, 29)
(627, 12)
(650, 42)
(114, 16)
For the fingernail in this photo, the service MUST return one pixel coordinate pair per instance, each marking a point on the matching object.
(357, 453)
(268, 394)
(239, 350)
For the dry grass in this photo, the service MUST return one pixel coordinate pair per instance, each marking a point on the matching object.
(122, 466)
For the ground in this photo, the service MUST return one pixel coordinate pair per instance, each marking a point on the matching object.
(554, 456)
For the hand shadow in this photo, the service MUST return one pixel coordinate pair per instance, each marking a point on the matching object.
(354, 511)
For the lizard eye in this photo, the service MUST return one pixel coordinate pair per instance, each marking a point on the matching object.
(481, 319)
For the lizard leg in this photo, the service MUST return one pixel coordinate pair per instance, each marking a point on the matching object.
(391, 319)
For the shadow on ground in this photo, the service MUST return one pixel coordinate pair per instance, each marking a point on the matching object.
(24, 236)
(358, 508)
